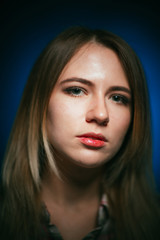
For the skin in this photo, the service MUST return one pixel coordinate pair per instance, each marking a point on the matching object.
(89, 108)
(77, 107)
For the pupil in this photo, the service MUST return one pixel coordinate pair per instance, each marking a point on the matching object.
(76, 90)
(116, 98)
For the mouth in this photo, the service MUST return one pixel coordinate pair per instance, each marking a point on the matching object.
(92, 140)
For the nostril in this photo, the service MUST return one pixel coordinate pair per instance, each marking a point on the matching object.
(88, 121)
(105, 122)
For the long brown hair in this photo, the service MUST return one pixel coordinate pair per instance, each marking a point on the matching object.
(129, 180)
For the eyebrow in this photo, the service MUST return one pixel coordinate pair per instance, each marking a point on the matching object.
(89, 83)
(119, 88)
(81, 80)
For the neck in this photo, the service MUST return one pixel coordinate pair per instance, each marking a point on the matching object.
(76, 185)
(73, 201)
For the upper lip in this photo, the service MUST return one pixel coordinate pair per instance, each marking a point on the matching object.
(98, 136)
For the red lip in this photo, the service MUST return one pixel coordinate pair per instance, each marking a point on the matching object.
(92, 139)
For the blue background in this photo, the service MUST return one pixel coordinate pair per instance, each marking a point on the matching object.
(26, 27)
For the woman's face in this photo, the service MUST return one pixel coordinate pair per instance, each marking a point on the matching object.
(89, 111)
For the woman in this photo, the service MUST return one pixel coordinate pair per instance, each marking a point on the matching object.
(78, 162)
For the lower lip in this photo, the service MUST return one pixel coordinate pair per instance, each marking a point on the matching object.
(92, 142)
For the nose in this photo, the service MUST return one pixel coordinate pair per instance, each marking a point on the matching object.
(98, 112)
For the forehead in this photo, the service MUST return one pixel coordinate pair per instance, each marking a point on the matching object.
(91, 53)
(94, 62)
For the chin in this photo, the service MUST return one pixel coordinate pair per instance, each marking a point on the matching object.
(90, 163)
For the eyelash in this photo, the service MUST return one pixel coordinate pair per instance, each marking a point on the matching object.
(70, 91)
(120, 98)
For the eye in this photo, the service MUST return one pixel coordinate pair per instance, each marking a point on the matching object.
(75, 91)
(120, 99)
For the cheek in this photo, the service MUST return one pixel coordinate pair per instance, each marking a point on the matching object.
(118, 131)
(56, 117)
(62, 117)
(124, 123)
(121, 122)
